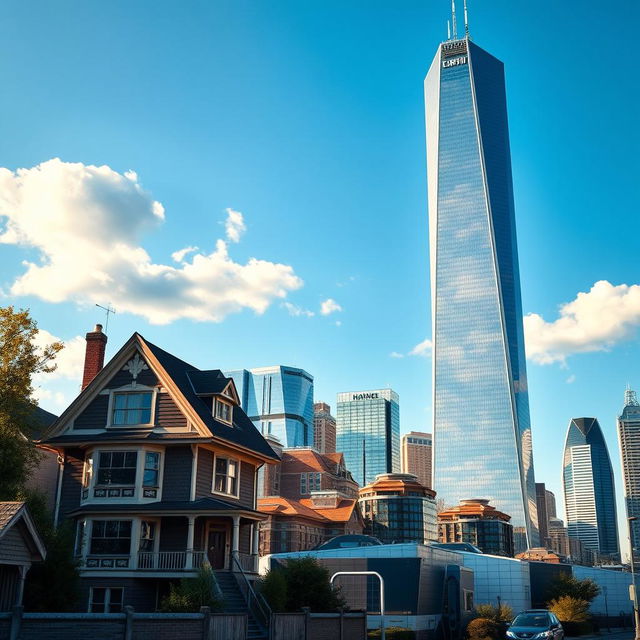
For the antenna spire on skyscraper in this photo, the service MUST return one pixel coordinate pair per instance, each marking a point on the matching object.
(466, 20)
(453, 19)
(630, 398)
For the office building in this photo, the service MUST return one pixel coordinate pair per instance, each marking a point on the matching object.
(478, 523)
(589, 493)
(368, 433)
(279, 401)
(570, 549)
(416, 455)
(397, 509)
(324, 428)
(551, 504)
(629, 440)
(543, 516)
(481, 428)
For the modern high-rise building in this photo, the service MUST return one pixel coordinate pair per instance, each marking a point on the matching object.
(279, 401)
(324, 428)
(551, 504)
(416, 456)
(629, 440)
(589, 492)
(481, 428)
(543, 516)
(368, 433)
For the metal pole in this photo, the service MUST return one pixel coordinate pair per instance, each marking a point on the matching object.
(368, 573)
(636, 616)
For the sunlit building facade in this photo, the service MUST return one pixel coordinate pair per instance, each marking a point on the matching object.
(368, 432)
(629, 440)
(279, 401)
(481, 427)
(589, 491)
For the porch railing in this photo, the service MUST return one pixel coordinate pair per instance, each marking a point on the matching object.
(248, 563)
(170, 560)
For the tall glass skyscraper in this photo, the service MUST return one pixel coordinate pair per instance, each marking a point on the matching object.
(589, 492)
(279, 401)
(629, 439)
(481, 429)
(368, 433)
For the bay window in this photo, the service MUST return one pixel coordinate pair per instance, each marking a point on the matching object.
(110, 537)
(117, 467)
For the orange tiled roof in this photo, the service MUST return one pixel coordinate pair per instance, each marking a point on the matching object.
(470, 509)
(305, 460)
(401, 483)
(285, 506)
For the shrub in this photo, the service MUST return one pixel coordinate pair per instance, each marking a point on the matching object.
(483, 629)
(274, 589)
(392, 633)
(501, 614)
(569, 609)
(192, 593)
(567, 585)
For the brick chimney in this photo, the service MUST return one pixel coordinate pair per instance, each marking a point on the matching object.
(94, 354)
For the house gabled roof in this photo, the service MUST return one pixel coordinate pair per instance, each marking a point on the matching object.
(11, 513)
(178, 377)
(303, 460)
(277, 505)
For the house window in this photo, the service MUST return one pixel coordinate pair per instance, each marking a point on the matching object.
(111, 537)
(106, 600)
(131, 408)
(151, 469)
(147, 535)
(117, 467)
(314, 481)
(303, 483)
(226, 476)
(223, 411)
(88, 471)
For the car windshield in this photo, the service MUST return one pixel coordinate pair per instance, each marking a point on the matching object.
(531, 620)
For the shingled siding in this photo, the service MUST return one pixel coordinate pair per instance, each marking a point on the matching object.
(94, 416)
(204, 478)
(168, 416)
(123, 378)
(71, 481)
(176, 483)
(13, 546)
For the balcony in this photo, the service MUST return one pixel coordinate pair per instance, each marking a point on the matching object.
(170, 560)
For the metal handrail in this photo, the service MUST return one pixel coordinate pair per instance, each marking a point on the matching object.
(261, 603)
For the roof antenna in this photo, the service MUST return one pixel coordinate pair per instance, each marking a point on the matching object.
(448, 30)
(109, 310)
(453, 19)
(466, 20)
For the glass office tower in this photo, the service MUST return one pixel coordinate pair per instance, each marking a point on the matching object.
(279, 401)
(589, 492)
(481, 429)
(368, 433)
(629, 440)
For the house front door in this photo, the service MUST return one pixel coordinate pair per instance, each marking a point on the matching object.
(216, 547)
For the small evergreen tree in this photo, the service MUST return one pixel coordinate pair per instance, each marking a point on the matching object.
(567, 585)
(192, 593)
(500, 614)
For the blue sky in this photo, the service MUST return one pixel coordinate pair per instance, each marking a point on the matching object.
(307, 118)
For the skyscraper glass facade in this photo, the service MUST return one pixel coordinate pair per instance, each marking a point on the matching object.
(589, 491)
(279, 401)
(481, 428)
(368, 433)
(629, 439)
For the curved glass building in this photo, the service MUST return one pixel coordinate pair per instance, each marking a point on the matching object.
(481, 429)
(279, 401)
(589, 491)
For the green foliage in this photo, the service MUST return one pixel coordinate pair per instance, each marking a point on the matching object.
(192, 593)
(499, 614)
(566, 585)
(53, 585)
(483, 629)
(306, 584)
(20, 361)
(570, 609)
(273, 587)
(393, 633)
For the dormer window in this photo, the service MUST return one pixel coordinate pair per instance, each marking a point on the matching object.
(224, 411)
(131, 408)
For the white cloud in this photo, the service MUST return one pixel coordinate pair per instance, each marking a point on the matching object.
(234, 225)
(594, 321)
(179, 255)
(422, 349)
(571, 379)
(395, 354)
(297, 311)
(87, 223)
(329, 306)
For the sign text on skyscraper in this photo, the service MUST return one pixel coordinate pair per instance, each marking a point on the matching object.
(454, 62)
(365, 396)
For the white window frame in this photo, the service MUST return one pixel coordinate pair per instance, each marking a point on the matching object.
(134, 533)
(220, 402)
(138, 388)
(156, 539)
(213, 479)
(107, 599)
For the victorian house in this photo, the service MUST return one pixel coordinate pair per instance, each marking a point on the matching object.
(158, 467)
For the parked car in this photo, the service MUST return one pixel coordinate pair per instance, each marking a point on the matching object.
(535, 624)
